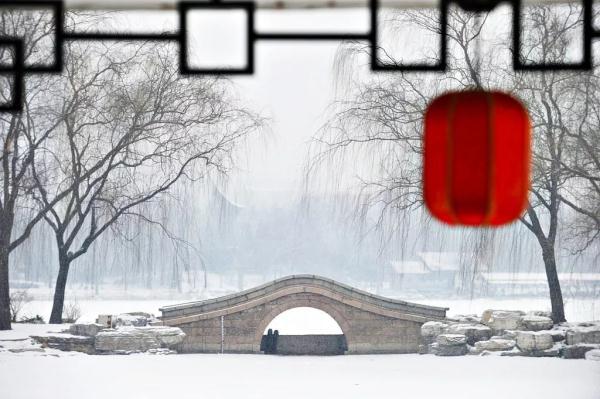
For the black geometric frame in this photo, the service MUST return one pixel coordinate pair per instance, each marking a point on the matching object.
(19, 70)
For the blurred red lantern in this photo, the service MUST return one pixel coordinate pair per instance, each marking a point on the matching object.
(476, 158)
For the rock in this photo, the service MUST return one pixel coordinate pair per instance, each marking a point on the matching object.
(558, 335)
(544, 313)
(66, 342)
(452, 350)
(22, 350)
(451, 345)
(431, 329)
(473, 332)
(497, 344)
(138, 339)
(529, 341)
(432, 348)
(555, 351)
(536, 323)
(500, 320)
(577, 351)
(134, 319)
(87, 330)
(508, 334)
(594, 354)
(589, 334)
(467, 319)
(451, 339)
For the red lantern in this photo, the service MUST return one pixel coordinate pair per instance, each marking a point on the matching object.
(476, 158)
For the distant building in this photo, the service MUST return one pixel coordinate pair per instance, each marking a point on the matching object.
(429, 272)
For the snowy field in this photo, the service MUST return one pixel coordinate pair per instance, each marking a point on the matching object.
(30, 375)
(55, 374)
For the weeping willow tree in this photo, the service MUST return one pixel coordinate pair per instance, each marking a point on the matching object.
(101, 144)
(380, 126)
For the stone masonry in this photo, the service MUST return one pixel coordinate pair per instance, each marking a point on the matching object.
(235, 323)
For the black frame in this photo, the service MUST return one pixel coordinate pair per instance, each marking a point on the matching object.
(19, 70)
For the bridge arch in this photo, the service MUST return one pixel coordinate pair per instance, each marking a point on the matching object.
(235, 323)
(293, 303)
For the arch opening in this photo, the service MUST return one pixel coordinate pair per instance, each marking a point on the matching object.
(303, 330)
(304, 320)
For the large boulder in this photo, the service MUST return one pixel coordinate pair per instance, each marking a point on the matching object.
(453, 350)
(577, 351)
(451, 339)
(135, 319)
(588, 333)
(500, 320)
(536, 323)
(473, 332)
(431, 329)
(530, 341)
(86, 330)
(451, 345)
(496, 344)
(594, 354)
(66, 342)
(138, 339)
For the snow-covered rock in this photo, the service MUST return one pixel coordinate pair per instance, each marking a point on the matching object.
(473, 332)
(497, 344)
(500, 320)
(536, 323)
(529, 341)
(451, 339)
(452, 350)
(468, 318)
(136, 319)
(588, 333)
(594, 354)
(558, 335)
(577, 351)
(451, 345)
(138, 339)
(544, 313)
(431, 329)
(87, 330)
(66, 342)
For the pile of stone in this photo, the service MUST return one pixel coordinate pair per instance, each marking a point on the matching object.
(131, 333)
(126, 340)
(511, 333)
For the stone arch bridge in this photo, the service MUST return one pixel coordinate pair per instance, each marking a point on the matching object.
(236, 323)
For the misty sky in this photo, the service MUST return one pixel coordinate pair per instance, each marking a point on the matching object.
(292, 86)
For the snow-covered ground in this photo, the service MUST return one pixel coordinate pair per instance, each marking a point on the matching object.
(30, 376)
(70, 375)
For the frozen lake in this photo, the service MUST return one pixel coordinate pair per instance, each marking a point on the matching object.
(27, 376)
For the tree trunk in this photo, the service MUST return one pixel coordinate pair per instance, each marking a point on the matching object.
(4, 288)
(59, 290)
(556, 298)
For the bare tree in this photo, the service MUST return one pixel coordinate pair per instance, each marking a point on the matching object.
(18, 213)
(382, 123)
(131, 128)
